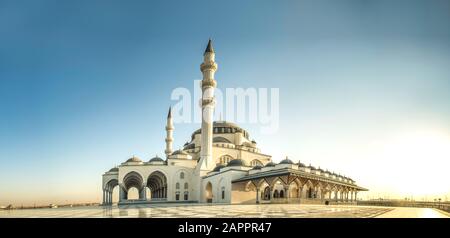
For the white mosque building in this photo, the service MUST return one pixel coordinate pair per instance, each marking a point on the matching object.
(222, 164)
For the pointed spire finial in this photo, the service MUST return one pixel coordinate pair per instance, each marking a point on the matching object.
(209, 48)
(169, 115)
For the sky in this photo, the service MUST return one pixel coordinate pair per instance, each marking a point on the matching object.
(84, 85)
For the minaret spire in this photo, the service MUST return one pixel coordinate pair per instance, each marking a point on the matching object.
(209, 48)
(169, 133)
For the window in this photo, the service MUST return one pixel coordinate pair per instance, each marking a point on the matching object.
(225, 159)
(181, 175)
(255, 162)
(223, 192)
(177, 196)
(186, 186)
(186, 196)
(177, 186)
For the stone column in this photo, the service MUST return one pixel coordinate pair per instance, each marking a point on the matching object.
(257, 195)
(271, 193)
(286, 191)
(110, 197)
(122, 194)
(356, 193)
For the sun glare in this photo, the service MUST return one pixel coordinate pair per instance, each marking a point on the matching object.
(417, 162)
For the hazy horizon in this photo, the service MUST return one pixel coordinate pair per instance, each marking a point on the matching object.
(364, 88)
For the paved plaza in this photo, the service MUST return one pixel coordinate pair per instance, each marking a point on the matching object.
(226, 211)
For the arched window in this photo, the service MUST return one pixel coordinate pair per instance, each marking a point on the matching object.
(177, 186)
(186, 196)
(182, 175)
(177, 196)
(186, 186)
(225, 159)
(255, 162)
(223, 192)
(275, 194)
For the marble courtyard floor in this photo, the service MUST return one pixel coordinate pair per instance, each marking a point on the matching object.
(227, 211)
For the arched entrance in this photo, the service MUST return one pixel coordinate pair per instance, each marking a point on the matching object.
(157, 183)
(108, 192)
(266, 194)
(209, 193)
(133, 180)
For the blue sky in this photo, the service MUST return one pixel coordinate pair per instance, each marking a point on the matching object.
(84, 85)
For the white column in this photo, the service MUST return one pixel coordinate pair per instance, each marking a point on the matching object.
(286, 191)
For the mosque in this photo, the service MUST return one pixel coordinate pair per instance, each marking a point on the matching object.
(222, 164)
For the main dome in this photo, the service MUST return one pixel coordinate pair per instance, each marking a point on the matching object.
(224, 127)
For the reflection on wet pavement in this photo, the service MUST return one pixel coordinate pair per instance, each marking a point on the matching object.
(227, 211)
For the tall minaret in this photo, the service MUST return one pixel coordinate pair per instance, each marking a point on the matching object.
(208, 68)
(169, 133)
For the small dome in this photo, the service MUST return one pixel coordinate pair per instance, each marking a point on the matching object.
(301, 164)
(115, 169)
(236, 162)
(180, 152)
(257, 167)
(218, 167)
(156, 159)
(270, 164)
(286, 161)
(134, 159)
(312, 167)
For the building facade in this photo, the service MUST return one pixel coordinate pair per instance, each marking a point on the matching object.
(222, 164)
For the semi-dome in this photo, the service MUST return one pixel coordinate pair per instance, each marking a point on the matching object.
(218, 167)
(270, 164)
(134, 159)
(220, 139)
(115, 169)
(236, 162)
(156, 159)
(286, 161)
(180, 152)
(189, 146)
